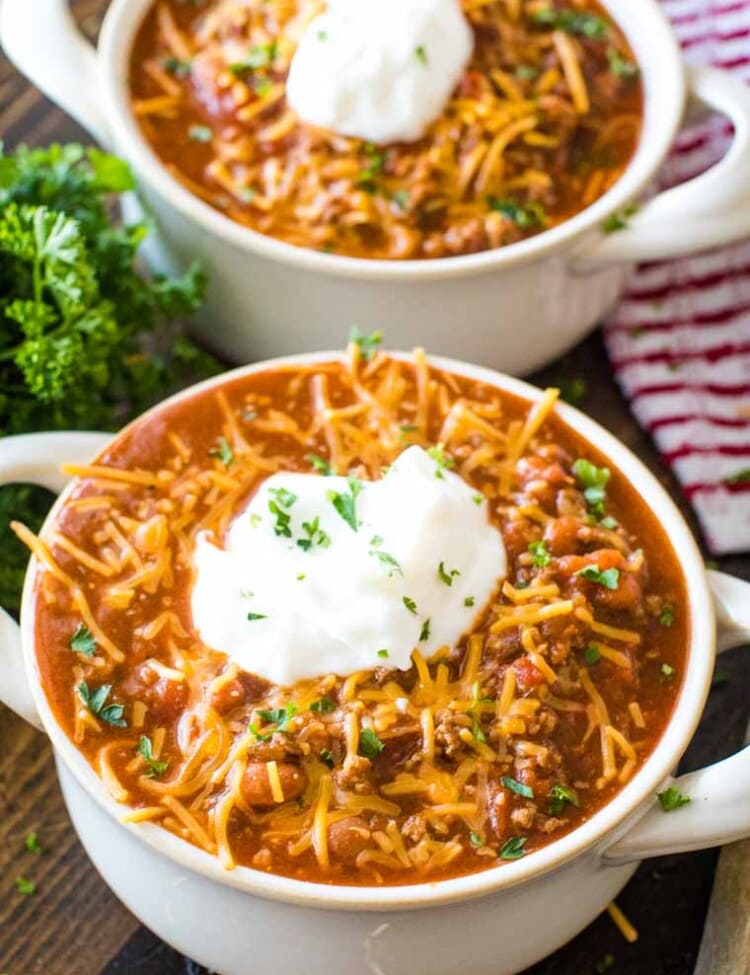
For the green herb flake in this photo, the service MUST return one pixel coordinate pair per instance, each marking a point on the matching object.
(526, 216)
(420, 53)
(592, 655)
(32, 844)
(475, 839)
(282, 501)
(739, 477)
(260, 56)
(315, 536)
(666, 617)
(410, 604)
(323, 706)
(176, 67)
(346, 504)
(275, 721)
(401, 199)
(322, 35)
(25, 887)
(609, 523)
(424, 633)
(200, 133)
(573, 391)
(477, 498)
(666, 673)
(561, 796)
(326, 757)
(594, 481)
(146, 751)
(620, 219)
(301, 577)
(370, 746)
(469, 601)
(609, 578)
(223, 452)
(513, 849)
(572, 22)
(319, 464)
(620, 66)
(540, 554)
(95, 701)
(443, 461)
(672, 799)
(518, 787)
(383, 654)
(447, 575)
(388, 562)
(83, 641)
(256, 616)
(367, 344)
(526, 72)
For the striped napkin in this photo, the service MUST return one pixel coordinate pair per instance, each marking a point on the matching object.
(679, 341)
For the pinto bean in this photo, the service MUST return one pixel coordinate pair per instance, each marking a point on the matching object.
(256, 784)
(348, 837)
(561, 535)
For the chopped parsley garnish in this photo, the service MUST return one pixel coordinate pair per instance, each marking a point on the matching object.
(518, 787)
(572, 22)
(559, 797)
(540, 554)
(315, 535)
(146, 751)
(477, 498)
(389, 563)
(376, 540)
(401, 199)
(374, 167)
(323, 706)
(345, 504)
(370, 746)
(255, 519)
(322, 35)
(672, 799)
(276, 720)
(609, 523)
(279, 507)
(319, 464)
(256, 616)
(32, 844)
(608, 578)
(666, 617)
(526, 72)
(666, 673)
(180, 69)
(594, 481)
(444, 461)
(592, 654)
(223, 451)
(301, 576)
(469, 601)
(620, 66)
(200, 133)
(513, 849)
(475, 839)
(410, 604)
(83, 641)
(95, 701)
(326, 757)
(739, 477)
(424, 633)
(420, 53)
(384, 654)
(447, 575)
(523, 215)
(260, 56)
(619, 219)
(368, 344)
(572, 390)
(25, 887)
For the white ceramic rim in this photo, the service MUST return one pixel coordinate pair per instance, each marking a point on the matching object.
(632, 798)
(668, 74)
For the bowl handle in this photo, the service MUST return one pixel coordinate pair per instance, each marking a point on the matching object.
(34, 458)
(719, 807)
(57, 58)
(710, 210)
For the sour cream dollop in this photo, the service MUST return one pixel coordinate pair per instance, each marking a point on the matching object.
(380, 71)
(392, 565)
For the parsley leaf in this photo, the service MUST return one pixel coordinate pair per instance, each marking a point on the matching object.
(410, 604)
(95, 701)
(25, 887)
(594, 481)
(319, 464)
(32, 844)
(279, 507)
(424, 633)
(666, 673)
(259, 56)
(572, 22)
(540, 554)
(592, 655)
(389, 563)
(315, 535)
(572, 390)
(326, 757)
(256, 616)
(513, 849)
(200, 133)
(524, 215)
(672, 799)
(370, 746)
(83, 641)
(620, 66)
(325, 705)
(447, 576)
(420, 53)
(444, 461)
(666, 617)
(384, 654)
(345, 504)
(559, 797)
(180, 69)
(469, 601)
(475, 839)
(739, 477)
(609, 578)
(223, 451)
(275, 720)
(146, 751)
(518, 787)
(368, 344)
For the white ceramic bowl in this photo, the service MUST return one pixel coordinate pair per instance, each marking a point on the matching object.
(514, 308)
(468, 924)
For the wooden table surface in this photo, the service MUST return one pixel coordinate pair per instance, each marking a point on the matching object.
(73, 925)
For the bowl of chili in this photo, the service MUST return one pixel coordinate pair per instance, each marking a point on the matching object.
(479, 783)
(516, 212)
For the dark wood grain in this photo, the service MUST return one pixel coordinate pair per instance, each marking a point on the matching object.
(72, 925)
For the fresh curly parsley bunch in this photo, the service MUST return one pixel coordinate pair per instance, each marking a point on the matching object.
(87, 337)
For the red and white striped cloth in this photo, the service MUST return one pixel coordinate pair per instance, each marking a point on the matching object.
(679, 341)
